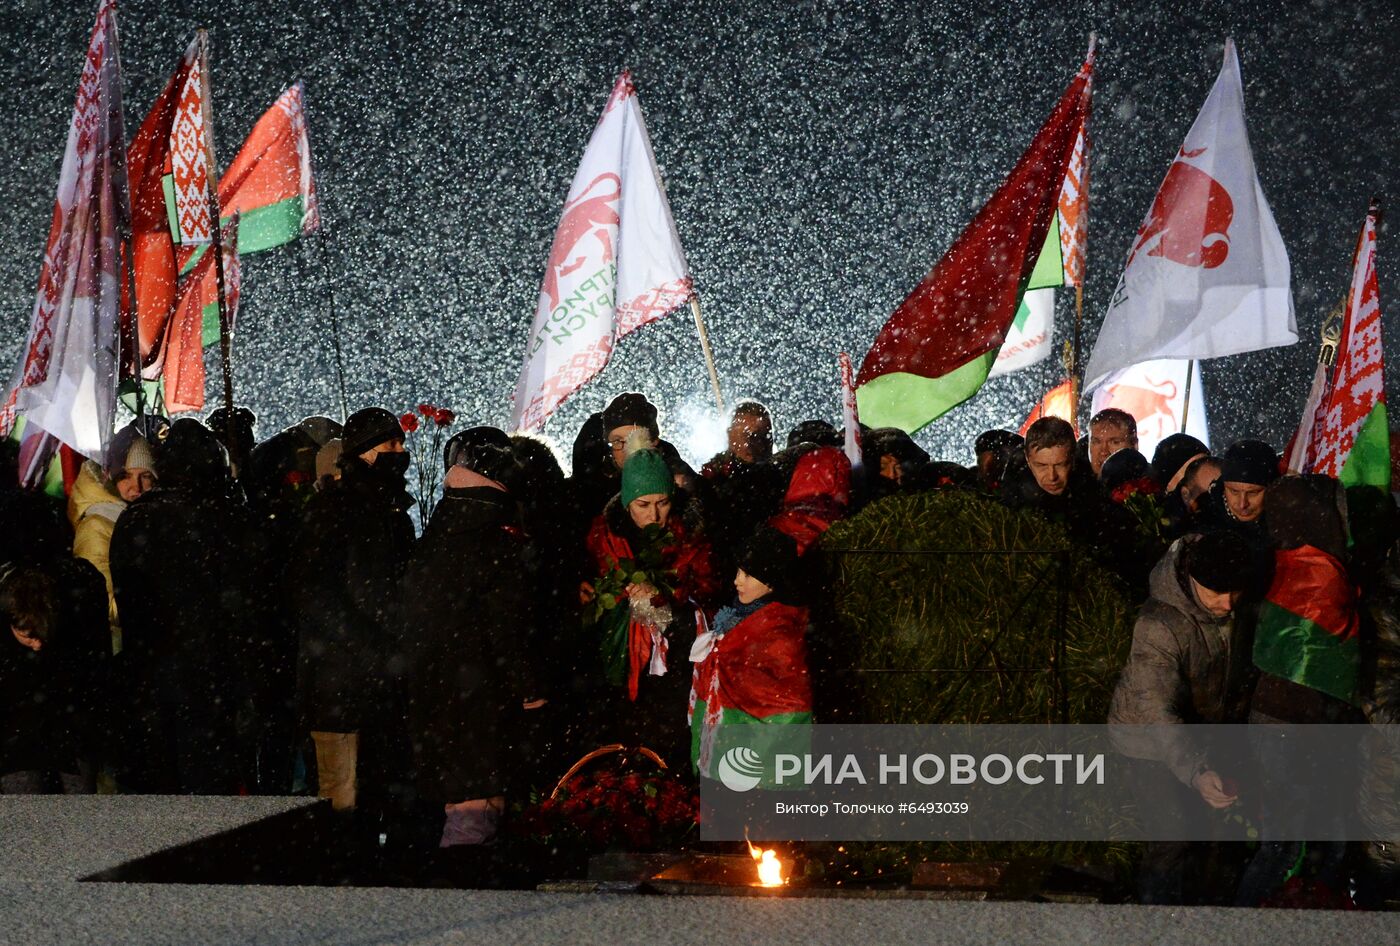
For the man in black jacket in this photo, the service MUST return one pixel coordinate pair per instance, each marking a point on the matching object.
(468, 623)
(344, 585)
(187, 575)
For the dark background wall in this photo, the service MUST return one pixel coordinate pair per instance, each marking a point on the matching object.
(819, 157)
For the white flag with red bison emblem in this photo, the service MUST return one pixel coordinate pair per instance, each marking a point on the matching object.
(1154, 392)
(1207, 275)
(616, 263)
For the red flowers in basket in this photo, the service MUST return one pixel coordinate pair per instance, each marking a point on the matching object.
(608, 809)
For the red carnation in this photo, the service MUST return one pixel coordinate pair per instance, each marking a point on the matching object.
(409, 423)
(427, 410)
(442, 417)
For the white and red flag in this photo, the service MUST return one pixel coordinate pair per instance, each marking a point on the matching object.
(1208, 274)
(170, 163)
(1344, 431)
(66, 379)
(615, 265)
(850, 414)
(1155, 393)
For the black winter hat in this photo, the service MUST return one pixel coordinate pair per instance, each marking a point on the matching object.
(368, 428)
(818, 432)
(1220, 562)
(771, 557)
(483, 450)
(1249, 461)
(1172, 453)
(630, 409)
(191, 455)
(995, 440)
(1124, 466)
(894, 442)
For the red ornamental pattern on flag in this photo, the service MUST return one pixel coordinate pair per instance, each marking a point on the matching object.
(1074, 193)
(78, 300)
(1074, 209)
(1359, 384)
(615, 263)
(850, 414)
(190, 147)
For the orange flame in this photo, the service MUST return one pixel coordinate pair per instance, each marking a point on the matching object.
(770, 868)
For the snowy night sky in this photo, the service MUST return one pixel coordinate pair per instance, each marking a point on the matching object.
(819, 157)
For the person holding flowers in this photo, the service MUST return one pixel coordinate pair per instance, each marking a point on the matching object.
(654, 580)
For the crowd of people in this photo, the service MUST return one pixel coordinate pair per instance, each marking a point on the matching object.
(218, 615)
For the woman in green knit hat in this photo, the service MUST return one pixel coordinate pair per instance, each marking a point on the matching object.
(652, 578)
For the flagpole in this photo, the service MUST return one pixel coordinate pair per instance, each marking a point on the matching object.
(1075, 381)
(217, 247)
(705, 346)
(334, 318)
(1186, 396)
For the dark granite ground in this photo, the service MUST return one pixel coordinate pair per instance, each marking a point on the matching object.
(48, 843)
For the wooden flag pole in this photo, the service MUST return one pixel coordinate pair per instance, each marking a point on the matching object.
(217, 248)
(1075, 381)
(705, 346)
(1186, 396)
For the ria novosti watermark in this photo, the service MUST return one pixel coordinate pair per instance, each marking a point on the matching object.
(1047, 783)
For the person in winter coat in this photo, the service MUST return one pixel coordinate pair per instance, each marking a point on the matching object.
(751, 666)
(1236, 500)
(344, 582)
(1051, 483)
(1307, 648)
(995, 449)
(750, 435)
(818, 496)
(100, 494)
(467, 624)
(54, 657)
(32, 524)
(1188, 664)
(187, 570)
(1110, 430)
(653, 577)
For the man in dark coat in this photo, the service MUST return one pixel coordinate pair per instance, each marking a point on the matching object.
(187, 575)
(1053, 484)
(344, 585)
(1189, 664)
(467, 624)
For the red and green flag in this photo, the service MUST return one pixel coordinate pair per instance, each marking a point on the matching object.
(270, 183)
(1345, 432)
(196, 308)
(1308, 629)
(170, 163)
(937, 348)
(748, 681)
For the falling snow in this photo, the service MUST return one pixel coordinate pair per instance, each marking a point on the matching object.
(819, 158)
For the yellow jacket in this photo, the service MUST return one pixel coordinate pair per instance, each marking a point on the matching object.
(93, 509)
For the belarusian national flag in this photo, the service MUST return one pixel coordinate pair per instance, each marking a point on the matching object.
(170, 162)
(1207, 275)
(1061, 260)
(1308, 629)
(615, 265)
(1347, 434)
(66, 379)
(270, 184)
(198, 306)
(754, 675)
(939, 345)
